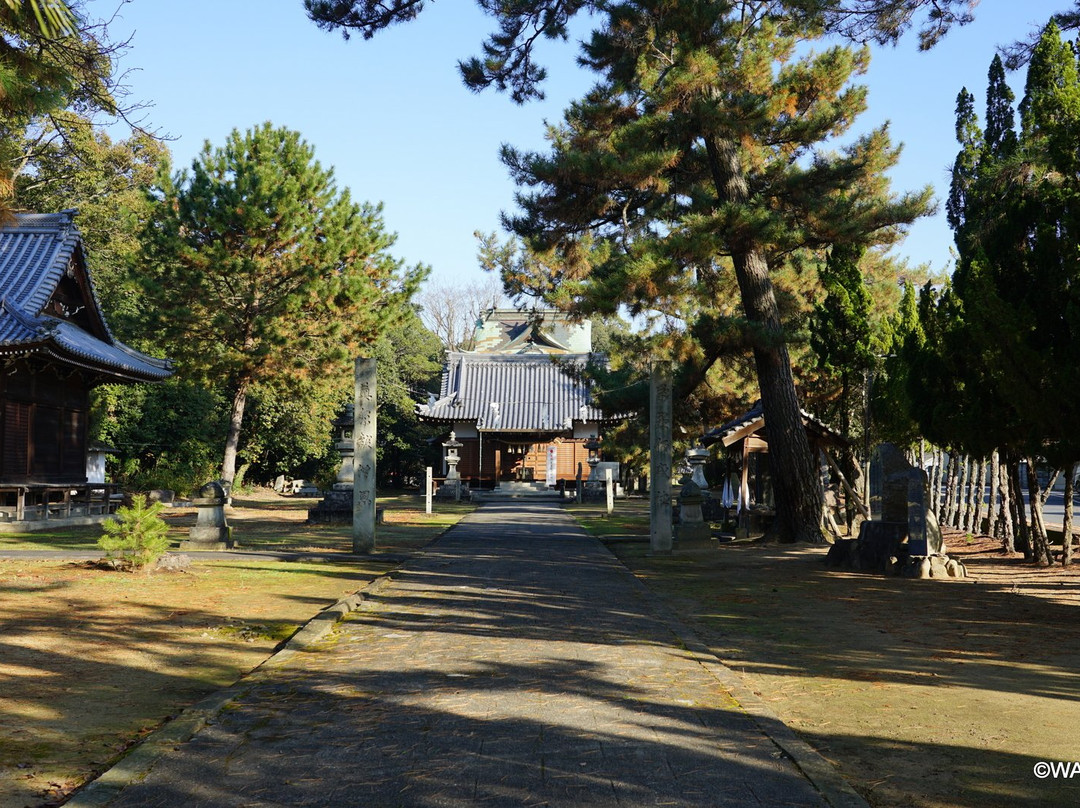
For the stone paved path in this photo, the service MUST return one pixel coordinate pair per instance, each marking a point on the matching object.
(516, 663)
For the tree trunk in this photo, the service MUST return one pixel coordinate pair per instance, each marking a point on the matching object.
(1039, 544)
(936, 494)
(1067, 518)
(853, 473)
(935, 485)
(961, 494)
(1005, 512)
(1023, 529)
(978, 492)
(950, 490)
(795, 485)
(232, 438)
(992, 508)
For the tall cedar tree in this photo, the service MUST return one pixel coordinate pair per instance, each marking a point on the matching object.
(258, 268)
(695, 156)
(840, 329)
(1017, 221)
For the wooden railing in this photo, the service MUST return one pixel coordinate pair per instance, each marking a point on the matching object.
(31, 502)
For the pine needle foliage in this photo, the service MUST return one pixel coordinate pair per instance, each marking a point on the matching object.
(259, 269)
(138, 536)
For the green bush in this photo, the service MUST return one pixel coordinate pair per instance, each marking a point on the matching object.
(138, 535)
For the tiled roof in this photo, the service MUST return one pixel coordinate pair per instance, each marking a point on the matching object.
(35, 252)
(756, 418)
(512, 393)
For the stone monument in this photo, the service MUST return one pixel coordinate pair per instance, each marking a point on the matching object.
(660, 406)
(902, 536)
(211, 531)
(365, 438)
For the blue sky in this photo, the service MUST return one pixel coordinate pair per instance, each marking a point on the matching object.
(392, 118)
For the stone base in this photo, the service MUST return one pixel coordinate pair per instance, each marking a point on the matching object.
(934, 566)
(448, 491)
(336, 508)
(881, 549)
(693, 535)
(209, 546)
(210, 534)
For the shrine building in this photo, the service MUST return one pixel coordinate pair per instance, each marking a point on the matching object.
(55, 346)
(519, 415)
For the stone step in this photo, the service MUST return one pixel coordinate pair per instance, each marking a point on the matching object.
(519, 491)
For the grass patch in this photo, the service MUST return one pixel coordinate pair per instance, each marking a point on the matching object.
(92, 660)
(263, 520)
(629, 520)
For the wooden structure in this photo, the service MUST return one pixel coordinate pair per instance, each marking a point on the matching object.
(55, 346)
(515, 403)
(747, 437)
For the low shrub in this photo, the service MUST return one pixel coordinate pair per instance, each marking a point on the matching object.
(138, 535)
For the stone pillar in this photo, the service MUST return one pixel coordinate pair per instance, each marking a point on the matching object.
(660, 459)
(609, 490)
(364, 462)
(427, 490)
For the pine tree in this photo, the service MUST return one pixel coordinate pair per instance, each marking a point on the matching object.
(258, 268)
(679, 177)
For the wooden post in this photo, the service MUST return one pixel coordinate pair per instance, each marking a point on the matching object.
(364, 427)
(660, 459)
(427, 491)
(577, 488)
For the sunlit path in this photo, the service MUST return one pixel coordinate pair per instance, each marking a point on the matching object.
(515, 663)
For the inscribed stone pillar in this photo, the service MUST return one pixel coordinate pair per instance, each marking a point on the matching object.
(364, 460)
(609, 491)
(660, 458)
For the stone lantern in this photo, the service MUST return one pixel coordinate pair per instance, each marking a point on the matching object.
(453, 457)
(697, 457)
(336, 506)
(343, 430)
(593, 447)
(211, 530)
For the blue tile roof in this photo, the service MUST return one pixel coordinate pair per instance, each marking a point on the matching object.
(36, 250)
(512, 393)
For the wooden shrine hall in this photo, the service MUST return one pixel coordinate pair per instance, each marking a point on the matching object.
(519, 415)
(55, 347)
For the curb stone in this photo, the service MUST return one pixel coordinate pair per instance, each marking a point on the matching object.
(142, 757)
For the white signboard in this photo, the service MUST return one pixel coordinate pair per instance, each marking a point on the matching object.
(552, 464)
